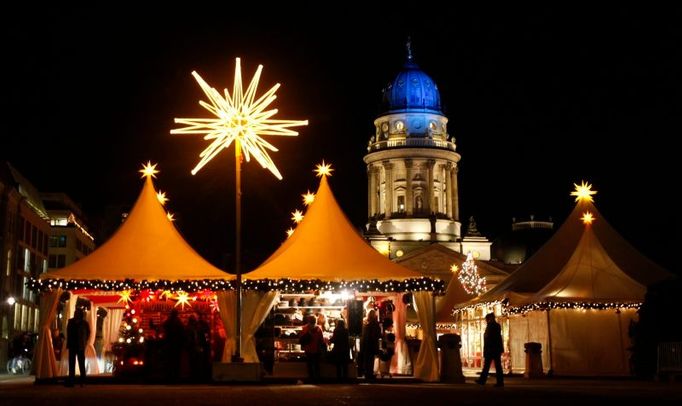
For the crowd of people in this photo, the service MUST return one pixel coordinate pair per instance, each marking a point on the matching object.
(377, 341)
(186, 349)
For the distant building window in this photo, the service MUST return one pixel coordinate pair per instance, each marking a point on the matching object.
(61, 261)
(34, 236)
(52, 261)
(62, 241)
(40, 241)
(27, 232)
(20, 228)
(54, 241)
(401, 204)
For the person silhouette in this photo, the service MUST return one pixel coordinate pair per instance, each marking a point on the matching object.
(174, 341)
(492, 350)
(77, 334)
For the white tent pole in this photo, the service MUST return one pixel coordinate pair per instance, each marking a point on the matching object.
(550, 370)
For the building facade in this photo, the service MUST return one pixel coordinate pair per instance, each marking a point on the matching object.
(69, 239)
(24, 232)
(412, 168)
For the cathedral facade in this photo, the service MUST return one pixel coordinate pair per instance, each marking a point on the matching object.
(412, 168)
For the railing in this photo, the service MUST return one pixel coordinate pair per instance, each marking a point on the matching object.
(411, 142)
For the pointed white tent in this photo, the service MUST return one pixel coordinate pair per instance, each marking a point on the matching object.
(576, 296)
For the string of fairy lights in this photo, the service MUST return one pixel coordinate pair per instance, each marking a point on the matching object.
(262, 285)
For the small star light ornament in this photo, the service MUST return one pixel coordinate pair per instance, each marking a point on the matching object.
(148, 170)
(241, 118)
(161, 196)
(587, 218)
(583, 192)
(297, 216)
(323, 169)
(308, 198)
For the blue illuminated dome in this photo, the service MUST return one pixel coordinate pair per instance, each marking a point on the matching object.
(412, 90)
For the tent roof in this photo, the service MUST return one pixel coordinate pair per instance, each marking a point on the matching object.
(569, 249)
(147, 246)
(591, 275)
(327, 247)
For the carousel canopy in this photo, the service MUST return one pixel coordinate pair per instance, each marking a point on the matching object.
(581, 262)
(326, 247)
(146, 247)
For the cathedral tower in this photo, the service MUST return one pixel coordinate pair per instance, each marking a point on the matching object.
(412, 167)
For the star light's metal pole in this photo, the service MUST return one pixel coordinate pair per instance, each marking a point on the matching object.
(238, 246)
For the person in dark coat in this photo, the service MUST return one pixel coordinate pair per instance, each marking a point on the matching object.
(341, 349)
(492, 350)
(77, 335)
(174, 341)
(369, 344)
(312, 345)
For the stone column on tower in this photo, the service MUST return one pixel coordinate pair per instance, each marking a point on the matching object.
(429, 196)
(448, 188)
(388, 168)
(371, 188)
(454, 192)
(409, 198)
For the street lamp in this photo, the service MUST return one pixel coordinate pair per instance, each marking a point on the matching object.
(240, 118)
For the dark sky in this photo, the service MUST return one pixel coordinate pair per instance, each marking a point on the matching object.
(537, 99)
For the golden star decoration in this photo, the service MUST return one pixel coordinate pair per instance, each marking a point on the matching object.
(161, 196)
(583, 192)
(308, 198)
(297, 216)
(323, 169)
(148, 170)
(587, 218)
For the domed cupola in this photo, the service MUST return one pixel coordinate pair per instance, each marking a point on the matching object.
(412, 90)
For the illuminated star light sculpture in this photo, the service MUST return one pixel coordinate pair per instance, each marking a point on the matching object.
(241, 118)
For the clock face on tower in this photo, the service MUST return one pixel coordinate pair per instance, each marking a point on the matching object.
(399, 125)
(384, 127)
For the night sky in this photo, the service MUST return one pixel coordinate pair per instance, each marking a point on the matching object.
(537, 99)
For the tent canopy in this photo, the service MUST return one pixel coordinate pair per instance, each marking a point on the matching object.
(580, 263)
(146, 247)
(325, 246)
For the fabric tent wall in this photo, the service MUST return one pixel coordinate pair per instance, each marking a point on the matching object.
(255, 308)
(401, 363)
(91, 361)
(69, 310)
(227, 302)
(111, 327)
(590, 342)
(44, 362)
(426, 364)
(531, 327)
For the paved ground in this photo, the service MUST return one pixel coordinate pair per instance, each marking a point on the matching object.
(518, 391)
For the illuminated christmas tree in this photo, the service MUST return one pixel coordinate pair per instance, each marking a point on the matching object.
(471, 281)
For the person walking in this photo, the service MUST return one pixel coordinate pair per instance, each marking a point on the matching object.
(492, 350)
(77, 334)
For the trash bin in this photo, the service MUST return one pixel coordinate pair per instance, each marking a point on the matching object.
(533, 360)
(450, 361)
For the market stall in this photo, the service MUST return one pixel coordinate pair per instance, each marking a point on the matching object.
(326, 267)
(138, 276)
